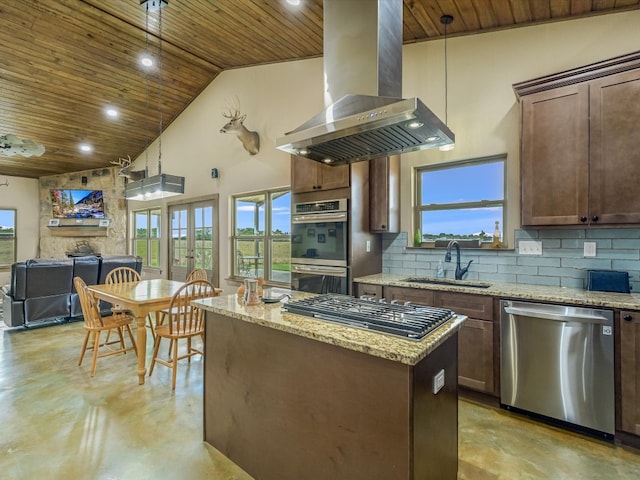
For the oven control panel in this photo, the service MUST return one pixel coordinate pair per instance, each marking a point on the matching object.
(339, 205)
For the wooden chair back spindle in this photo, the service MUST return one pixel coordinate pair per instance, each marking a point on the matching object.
(122, 275)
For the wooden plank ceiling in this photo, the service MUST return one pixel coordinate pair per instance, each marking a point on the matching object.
(63, 61)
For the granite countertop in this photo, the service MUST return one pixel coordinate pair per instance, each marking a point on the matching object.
(408, 352)
(572, 296)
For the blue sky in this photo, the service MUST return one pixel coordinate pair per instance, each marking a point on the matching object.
(281, 214)
(463, 184)
(6, 218)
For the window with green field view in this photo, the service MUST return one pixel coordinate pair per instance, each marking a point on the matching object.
(146, 236)
(460, 200)
(261, 243)
(7, 236)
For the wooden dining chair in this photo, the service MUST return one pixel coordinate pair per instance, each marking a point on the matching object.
(125, 275)
(183, 322)
(197, 274)
(122, 275)
(95, 324)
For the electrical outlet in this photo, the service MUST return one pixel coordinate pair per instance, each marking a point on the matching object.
(529, 247)
(438, 381)
(589, 249)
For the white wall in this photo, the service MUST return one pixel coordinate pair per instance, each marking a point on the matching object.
(482, 111)
(276, 98)
(23, 195)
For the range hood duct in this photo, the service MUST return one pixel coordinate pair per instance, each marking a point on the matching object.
(363, 71)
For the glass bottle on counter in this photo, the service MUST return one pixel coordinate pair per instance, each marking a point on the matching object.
(440, 270)
(496, 235)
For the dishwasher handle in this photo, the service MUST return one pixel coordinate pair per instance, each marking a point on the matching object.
(559, 317)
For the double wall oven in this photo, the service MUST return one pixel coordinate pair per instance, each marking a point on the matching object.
(319, 246)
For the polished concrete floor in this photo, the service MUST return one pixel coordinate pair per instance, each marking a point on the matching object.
(56, 422)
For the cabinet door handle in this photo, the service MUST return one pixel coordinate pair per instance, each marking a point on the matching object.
(628, 318)
(595, 218)
(583, 219)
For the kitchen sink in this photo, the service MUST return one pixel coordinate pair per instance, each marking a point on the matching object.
(444, 281)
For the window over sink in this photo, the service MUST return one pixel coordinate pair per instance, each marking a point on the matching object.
(461, 200)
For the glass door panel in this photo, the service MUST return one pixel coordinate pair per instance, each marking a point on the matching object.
(194, 239)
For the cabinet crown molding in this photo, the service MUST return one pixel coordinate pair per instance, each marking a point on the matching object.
(623, 63)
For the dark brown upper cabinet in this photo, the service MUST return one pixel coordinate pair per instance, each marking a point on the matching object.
(580, 148)
(311, 176)
(384, 195)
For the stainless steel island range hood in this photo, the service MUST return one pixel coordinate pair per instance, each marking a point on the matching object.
(363, 70)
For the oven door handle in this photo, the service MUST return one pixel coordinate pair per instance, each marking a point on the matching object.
(320, 217)
(319, 270)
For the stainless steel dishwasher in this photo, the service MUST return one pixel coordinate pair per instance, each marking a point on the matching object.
(557, 361)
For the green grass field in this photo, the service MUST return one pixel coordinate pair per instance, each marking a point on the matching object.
(7, 251)
(281, 253)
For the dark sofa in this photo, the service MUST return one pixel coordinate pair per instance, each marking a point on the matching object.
(42, 290)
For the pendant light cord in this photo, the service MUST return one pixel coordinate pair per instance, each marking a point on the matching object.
(147, 94)
(446, 20)
(446, 79)
(160, 92)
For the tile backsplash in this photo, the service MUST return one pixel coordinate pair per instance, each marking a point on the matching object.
(561, 264)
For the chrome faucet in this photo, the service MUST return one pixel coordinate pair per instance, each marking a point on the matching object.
(460, 272)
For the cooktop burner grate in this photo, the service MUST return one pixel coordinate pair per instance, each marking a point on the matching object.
(410, 321)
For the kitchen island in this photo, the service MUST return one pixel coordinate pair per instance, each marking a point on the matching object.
(290, 397)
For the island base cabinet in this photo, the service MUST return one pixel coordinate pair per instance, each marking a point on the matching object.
(284, 407)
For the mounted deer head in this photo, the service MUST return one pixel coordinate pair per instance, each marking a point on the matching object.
(126, 171)
(250, 140)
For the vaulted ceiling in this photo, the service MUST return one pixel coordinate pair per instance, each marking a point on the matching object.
(63, 62)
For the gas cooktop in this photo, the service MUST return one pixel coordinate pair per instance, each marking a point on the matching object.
(413, 322)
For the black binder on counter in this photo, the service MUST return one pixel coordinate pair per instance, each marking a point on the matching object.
(608, 281)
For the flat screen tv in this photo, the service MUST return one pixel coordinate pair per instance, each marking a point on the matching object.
(77, 203)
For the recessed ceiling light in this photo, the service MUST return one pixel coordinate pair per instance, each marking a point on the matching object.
(415, 124)
(111, 112)
(293, 2)
(85, 148)
(146, 61)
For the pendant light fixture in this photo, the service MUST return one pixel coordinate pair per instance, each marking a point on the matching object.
(446, 20)
(161, 185)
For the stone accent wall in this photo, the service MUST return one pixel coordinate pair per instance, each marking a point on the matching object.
(562, 263)
(112, 186)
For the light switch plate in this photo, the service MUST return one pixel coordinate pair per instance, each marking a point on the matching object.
(589, 249)
(529, 247)
(438, 382)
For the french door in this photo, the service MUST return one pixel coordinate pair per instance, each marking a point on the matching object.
(194, 239)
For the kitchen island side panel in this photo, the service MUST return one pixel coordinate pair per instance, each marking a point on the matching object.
(435, 415)
(287, 407)
(284, 407)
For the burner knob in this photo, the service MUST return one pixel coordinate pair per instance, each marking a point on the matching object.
(394, 302)
(382, 300)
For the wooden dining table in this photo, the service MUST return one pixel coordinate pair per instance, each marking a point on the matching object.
(140, 298)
